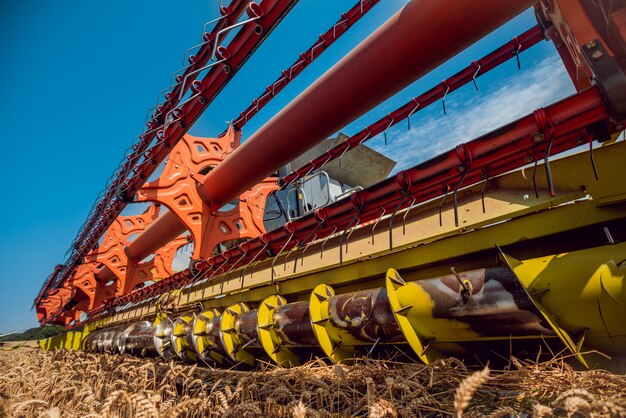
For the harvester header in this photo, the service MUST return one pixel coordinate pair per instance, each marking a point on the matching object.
(298, 246)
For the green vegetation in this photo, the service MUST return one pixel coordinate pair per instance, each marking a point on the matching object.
(39, 333)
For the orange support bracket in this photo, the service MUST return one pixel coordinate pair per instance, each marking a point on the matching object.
(190, 160)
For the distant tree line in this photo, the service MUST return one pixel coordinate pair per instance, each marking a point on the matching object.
(38, 333)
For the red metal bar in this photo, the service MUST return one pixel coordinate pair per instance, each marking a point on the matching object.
(155, 236)
(477, 68)
(345, 22)
(418, 38)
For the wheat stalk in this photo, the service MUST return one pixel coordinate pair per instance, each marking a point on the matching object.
(467, 388)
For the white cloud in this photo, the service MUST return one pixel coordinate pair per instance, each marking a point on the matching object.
(471, 115)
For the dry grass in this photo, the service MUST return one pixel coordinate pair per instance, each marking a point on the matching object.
(36, 383)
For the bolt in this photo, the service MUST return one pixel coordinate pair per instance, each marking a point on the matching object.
(591, 44)
(528, 160)
(461, 168)
(618, 127)
(597, 55)
(538, 137)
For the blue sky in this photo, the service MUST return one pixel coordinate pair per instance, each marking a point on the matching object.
(79, 76)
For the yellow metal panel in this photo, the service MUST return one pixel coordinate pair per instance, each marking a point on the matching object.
(271, 342)
(230, 338)
(329, 338)
(400, 310)
(71, 340)
(583, 292)
(204, 345)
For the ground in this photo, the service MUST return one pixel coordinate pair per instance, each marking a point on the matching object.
(36, 383)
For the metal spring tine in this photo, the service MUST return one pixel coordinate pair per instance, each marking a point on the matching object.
(362, 1)
(365, 138)
(516, 52)
(371, 350)
(306, 247)
(187, 284)
(295, 248)
(217, 269)
(235, 265)
(243, 347)
(227, 29)
(548, 169)
(535, 179)
(260, 99)
(280, 80)
(443, 99)
(478, 67)
(593, 161)
(294, 180)
(454, 197)
(447, 186)
(284, 186)
(177, 73)
(326, 240)
(330, 157)
(354, 218)
(335, 27)
(190, 49)
(294, 66)
(408, 118)
(383, 210)
(350, 233)
(406, 214)
(464, 285)
(156, 129)
(211, 276)
(243, 272)
(182, 89)
(608, 235)
(212, 21)
(278, 255)
(388, 126)
(482, 191)
(342, 154)
(318, 45)
(202, 37)
(405, 193)
(295, 262)
(245, 118)
(310, 169)
(150, 112)
(167, 123)
(188, 99)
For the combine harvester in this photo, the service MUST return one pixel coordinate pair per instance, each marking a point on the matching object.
(302, 247)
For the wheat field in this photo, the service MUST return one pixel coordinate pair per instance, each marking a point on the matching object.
(36, 383)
